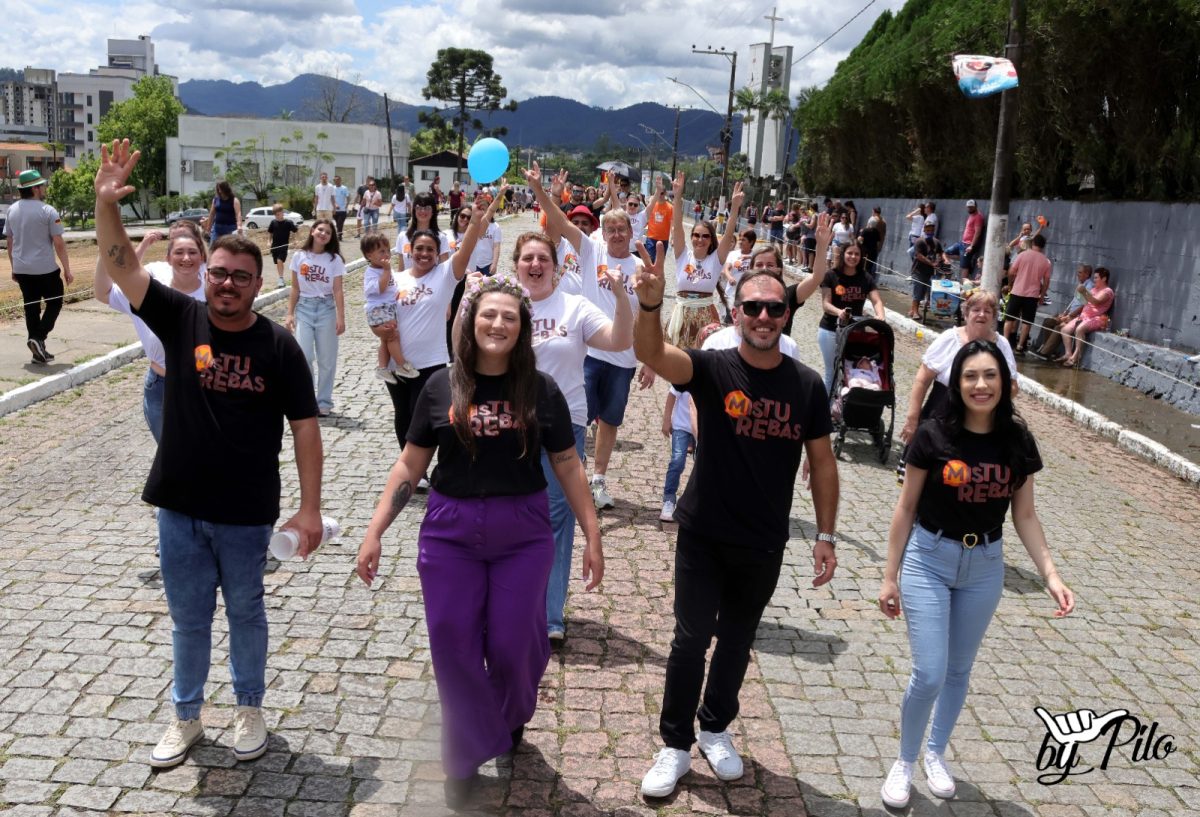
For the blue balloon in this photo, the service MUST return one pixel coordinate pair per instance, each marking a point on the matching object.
(487, 160)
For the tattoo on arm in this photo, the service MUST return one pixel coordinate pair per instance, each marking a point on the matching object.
(400, 498)
(562, 456)
(117, 254)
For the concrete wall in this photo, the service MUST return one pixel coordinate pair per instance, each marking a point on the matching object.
(1148, 247)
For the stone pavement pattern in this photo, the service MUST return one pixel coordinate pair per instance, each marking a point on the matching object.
(85, 640)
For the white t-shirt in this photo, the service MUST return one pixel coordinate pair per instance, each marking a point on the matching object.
(404, 249)
(316, 271)
(372, 200)
(562, 326)
(728, 338)
(917, 228)
(421, 305)
(372, 297)
(596, 289)
(681, 414)
(324, 194)
(842, 234)
(638, 223)
(399, 206)
(150, 342)
(481, 256)
(939, 357)
(738, 265)
(932, 218)
(571, 265)
(696, 277)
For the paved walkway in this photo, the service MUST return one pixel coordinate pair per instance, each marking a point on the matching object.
(85, 641)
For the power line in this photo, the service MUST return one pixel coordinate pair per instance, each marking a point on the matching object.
(834, 34)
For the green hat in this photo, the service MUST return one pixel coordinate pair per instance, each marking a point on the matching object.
(29, 178)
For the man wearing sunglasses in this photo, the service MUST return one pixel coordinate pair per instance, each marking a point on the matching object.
(234, 376)
(758, 413)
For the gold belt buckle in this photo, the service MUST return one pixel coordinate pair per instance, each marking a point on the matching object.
(970, 540)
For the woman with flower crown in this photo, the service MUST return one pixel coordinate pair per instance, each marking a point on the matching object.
(486, 545)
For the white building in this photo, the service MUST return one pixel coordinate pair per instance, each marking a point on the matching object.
(440, 166)
(84, 98)
(766, 75)
(27, 106)
(347, 150)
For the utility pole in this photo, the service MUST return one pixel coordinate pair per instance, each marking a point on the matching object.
(727, 131)
(387, 118)
(997, 219)
(675, 144)
(760, 131)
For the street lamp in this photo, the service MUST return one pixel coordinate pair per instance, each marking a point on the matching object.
(727, 131)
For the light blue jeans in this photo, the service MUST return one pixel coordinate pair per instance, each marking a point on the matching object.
(316, 332)
(562, 521)
(154, 389)
(680, 440)
(827, 342)
(948, 594)
(197, 557)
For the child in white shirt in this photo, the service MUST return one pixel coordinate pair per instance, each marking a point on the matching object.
(379, 294)
(679, 426)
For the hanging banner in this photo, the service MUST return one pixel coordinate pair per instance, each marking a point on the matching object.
(983, 76)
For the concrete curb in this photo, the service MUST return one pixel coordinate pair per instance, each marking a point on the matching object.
(27, 395)
(1130, 441)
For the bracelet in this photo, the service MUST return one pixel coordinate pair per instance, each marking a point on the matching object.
(654, 308)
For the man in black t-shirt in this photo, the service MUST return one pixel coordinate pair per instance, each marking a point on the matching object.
(758, 413)
(232, 378)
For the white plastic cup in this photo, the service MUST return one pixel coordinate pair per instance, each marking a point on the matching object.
(285, 542)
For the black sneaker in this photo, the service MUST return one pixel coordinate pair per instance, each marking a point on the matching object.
(459, 790)
(46, 354)
(36, 349)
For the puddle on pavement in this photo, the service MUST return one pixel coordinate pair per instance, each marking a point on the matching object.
(1176, 429)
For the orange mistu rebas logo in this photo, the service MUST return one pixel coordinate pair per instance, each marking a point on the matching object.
(737, 404)
(978, 483)
(956, 473)
(762, 418)
(204, 357)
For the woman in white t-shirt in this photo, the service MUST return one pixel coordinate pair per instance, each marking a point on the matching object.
(400, 209)
(697, 269)
(736, 264)
(317, 306)
(424, 217)
(182, 271)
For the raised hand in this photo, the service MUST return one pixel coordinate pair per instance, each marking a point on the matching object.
(677, 187)
(558, 183)
(650, 281)
(658, 185)
(824, 229)
(533, 176)
(735, 201)
(616, 279)
(115, 167)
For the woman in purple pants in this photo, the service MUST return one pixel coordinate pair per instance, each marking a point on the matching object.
(485, 546)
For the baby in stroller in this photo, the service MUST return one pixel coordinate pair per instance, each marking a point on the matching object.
(862, 374)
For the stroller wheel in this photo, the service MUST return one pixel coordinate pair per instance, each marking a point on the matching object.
(837, 444)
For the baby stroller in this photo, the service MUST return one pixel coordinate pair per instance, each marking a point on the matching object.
(858, 403)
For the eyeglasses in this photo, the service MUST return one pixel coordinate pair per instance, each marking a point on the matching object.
(240, 278)
(424, 207)
(753, 309)
(701, 235)
(772, 270)
(633, 205)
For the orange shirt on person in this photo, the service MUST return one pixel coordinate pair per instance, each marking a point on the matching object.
(658, 226)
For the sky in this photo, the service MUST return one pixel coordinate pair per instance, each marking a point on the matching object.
(609, 54)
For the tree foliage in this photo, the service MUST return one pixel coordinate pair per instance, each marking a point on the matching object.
(72, 191)
(464, 79)
(146, 119)
(260, 166)
(1107, 97)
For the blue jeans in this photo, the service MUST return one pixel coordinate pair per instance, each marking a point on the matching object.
(197, 557)
(652, 247)
(316, 332)
(154, 388)
(370, 219)
(680, 440)
(562, 521)
(827, 342)
(401, 222)
(948, 594)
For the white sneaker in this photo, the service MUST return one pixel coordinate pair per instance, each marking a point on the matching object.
(407, 371)
(938, 775)
(669, 766)
(386, 375)
(176, 741)
(282, 283)
(668, 511)
(422, 484)
(249, 733)
(600, 494)
(717, 748)
(898, 786)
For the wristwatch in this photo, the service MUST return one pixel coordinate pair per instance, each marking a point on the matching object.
(831, 538)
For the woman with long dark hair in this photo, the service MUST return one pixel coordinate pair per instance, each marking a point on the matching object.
(485, 546)
(424, 217)
(844, 290)
(317, 306)
(945, 565)
(225, 212)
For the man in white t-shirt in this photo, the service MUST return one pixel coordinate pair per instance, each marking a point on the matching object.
(323, 198)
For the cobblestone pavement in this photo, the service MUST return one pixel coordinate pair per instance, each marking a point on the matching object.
(85, 642)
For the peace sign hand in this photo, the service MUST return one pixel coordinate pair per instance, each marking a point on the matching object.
(650, 281)
(677, 186)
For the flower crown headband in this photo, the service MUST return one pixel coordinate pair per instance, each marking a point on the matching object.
(500, 282)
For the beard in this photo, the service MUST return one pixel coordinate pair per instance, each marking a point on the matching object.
(761, 344)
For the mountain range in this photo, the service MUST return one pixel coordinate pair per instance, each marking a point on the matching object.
(540, 122)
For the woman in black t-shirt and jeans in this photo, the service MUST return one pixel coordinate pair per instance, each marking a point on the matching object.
(964, 469)
(486, 546)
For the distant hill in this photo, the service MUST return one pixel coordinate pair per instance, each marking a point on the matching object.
(540, 121)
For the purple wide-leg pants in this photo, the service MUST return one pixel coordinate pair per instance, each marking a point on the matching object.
(484, 564)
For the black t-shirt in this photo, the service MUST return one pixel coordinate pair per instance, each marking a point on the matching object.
(752, 424)
(930, 248)
(498, 468)
(970, 482)
(280, 229)
(775, 219)
(848, 291)
(870, 241)
(793, 305)
(227, 394)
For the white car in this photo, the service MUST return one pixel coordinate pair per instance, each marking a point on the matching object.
(257, 218)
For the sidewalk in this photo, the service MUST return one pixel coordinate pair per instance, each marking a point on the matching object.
(85, 640)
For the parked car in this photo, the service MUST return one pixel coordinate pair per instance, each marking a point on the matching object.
(196, 214)
(257, 218)
(173, 216)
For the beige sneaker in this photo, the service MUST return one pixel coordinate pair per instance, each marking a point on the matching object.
(176, 741)
(249, 733)
(407, 371)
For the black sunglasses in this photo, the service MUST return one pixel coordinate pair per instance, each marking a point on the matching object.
(775, 309)
(240, 278)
